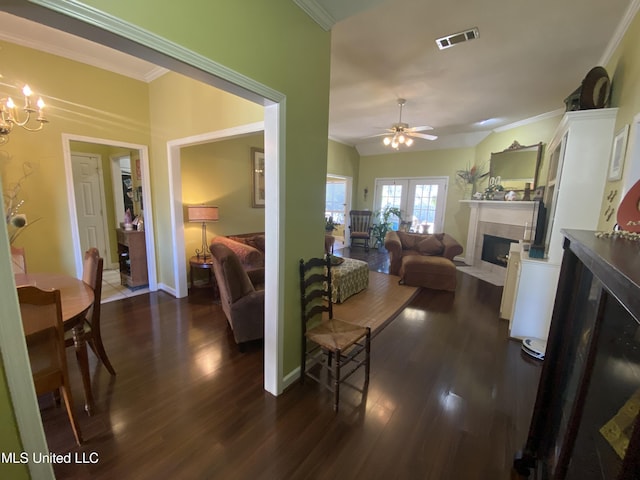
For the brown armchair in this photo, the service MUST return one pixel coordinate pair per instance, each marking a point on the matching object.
(242, 304)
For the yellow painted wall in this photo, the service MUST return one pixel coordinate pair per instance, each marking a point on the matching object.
(219, 173)
(81, 100)
(204, 109)
(624, 71)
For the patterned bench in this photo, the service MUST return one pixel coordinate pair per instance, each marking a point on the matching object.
(348, 278)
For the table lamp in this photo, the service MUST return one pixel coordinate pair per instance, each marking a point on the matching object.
(204, 214)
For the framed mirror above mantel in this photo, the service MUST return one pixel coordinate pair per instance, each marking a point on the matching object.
(517, 165)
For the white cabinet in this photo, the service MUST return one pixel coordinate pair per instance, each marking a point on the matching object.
(511, 282)
(578, 159)
(578, 162)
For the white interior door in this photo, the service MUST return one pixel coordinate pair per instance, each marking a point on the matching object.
(87, 180)
(422, 201)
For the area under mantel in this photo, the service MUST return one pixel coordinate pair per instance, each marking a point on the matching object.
(518, 215)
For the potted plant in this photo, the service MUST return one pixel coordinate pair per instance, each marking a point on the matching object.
(383, 225)
(330, 225)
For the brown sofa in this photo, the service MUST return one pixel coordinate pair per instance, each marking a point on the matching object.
(423, 260)
(242, 304)
(249, 248)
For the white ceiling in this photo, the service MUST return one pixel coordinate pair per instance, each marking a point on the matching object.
(528, 58)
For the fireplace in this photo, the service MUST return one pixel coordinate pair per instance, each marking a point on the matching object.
(496, 249)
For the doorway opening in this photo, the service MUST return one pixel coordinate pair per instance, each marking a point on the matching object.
(337, 206)
(87, 218)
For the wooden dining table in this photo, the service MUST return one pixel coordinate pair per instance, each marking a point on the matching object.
(77, 298)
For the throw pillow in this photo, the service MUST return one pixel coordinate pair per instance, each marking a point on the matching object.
(430, 245)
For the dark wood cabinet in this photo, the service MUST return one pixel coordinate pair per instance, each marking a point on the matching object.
(585, 420)
(132, 256)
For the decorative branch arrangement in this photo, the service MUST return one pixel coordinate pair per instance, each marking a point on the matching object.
(16, 222)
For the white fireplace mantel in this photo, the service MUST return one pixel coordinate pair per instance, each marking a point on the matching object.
(516, 213)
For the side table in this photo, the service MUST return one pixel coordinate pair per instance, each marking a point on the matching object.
(200, 262)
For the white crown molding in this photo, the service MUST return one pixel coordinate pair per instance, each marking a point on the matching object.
(116, 62)
(620, 32)
(530, 120)
(317, 13)
(230, 80)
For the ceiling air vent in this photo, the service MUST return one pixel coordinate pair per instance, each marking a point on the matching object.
(456, 38)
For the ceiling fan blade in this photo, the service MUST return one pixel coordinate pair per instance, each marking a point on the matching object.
(420, 129)
(425, 136)
(379, 135)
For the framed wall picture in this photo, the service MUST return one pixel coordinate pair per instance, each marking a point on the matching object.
(257, 172)
(617, 154)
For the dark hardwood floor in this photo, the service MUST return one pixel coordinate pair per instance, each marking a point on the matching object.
(450, 397)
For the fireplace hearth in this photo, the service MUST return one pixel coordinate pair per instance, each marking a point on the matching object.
(496, 249)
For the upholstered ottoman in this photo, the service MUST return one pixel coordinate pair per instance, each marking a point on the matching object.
(438, 273)
(348, 278)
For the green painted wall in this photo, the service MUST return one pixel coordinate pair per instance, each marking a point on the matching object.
(9, 436)
(278, 45)
(412, 163)
(530, 134)
(343, 160)
(219, 173)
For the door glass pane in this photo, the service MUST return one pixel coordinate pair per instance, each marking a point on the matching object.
(392, 197)
(424, 208)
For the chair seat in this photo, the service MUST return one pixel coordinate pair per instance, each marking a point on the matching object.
(336, 334)
(359, 234)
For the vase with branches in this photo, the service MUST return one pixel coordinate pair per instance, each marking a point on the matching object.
(16, 221)
(471, 176)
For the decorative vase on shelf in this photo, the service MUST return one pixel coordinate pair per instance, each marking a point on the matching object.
(470, 190)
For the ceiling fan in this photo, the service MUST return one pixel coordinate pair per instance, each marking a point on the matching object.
(401, 134)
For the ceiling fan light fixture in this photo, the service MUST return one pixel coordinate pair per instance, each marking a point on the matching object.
(386, 141)
(401, 138)
(409, 142)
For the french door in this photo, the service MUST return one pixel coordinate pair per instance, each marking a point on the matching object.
(422, 202)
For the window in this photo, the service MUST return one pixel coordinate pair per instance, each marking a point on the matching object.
(421, 200)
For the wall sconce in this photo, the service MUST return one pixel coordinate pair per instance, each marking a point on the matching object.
(204, 214)
(366, 192)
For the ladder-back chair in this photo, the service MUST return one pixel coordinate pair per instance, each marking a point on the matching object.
(328, 344)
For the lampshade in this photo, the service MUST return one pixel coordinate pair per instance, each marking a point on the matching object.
(202, 213)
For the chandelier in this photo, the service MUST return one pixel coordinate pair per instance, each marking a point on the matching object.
(10, 116)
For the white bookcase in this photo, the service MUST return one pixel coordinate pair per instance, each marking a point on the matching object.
(578, 158)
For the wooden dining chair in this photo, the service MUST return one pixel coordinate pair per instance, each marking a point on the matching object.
(92, 275)
(44, 333)
(341, 344)
(18, 260)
